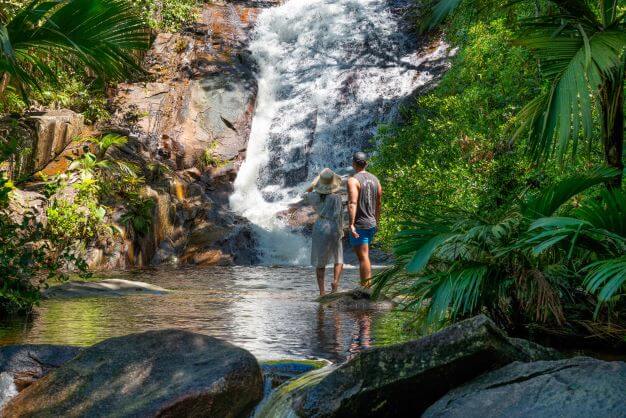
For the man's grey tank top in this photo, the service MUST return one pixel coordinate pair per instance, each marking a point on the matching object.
(366, 205)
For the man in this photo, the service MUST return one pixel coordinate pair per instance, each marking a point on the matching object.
(364, 199)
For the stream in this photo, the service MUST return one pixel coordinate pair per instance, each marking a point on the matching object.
(272, 312)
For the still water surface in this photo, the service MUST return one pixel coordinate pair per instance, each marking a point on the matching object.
(270, 311)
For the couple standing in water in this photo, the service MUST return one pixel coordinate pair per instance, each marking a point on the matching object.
(364, 200)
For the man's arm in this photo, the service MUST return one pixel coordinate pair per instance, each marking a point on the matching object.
(353, 198)
(379, 201)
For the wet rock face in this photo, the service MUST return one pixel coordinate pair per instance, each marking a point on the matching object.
(194, 116)
(29, 363)
(168, 373)
(43, 136)
(404, 379)
(204, 94)
(578, 387)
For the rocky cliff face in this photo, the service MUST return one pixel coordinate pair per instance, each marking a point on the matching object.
(193, 116)
(42, 136)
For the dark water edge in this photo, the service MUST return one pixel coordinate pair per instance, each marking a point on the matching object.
(271, 311)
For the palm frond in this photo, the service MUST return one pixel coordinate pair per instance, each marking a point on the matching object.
(548, 201)
(439, 12)
(606, 278)
(102, 34)
(609, 212)
(576, 59)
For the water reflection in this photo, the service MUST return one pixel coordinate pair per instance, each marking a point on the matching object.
(270, 311)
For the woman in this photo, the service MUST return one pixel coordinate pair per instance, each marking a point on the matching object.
(328, 229)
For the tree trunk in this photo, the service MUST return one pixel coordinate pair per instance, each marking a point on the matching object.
(613, 127)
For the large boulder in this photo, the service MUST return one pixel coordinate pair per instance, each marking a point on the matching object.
(21, 365)
(404, 379)
(168, 373)
(578, 387)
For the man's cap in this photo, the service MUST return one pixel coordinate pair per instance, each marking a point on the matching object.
(359, 158)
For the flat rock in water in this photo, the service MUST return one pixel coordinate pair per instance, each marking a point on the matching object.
(578, 387)
(108, 287)
(168, 373)
(359, 298)
(404, 379)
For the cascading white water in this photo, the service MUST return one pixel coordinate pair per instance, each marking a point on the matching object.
(328, 72)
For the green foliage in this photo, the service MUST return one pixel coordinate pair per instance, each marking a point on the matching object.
(208, 158)
(101, 35)
(453, 150)
(139, 215)
(521, 267)
(169, 15)
(28, 256)
(73, 222)
(580, 46)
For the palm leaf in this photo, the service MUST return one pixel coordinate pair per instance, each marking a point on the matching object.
(548, 201)
(607, 213)
(576, 59)
(101, 34)
(606, 278)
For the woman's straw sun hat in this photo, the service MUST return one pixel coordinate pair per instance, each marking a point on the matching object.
(327, 182)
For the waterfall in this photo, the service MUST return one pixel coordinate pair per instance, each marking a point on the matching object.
(329, 71)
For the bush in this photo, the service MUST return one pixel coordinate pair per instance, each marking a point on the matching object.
(169, 15)
(29, 257)
(528, 266)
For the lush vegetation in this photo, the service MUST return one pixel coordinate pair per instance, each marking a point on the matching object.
(61, 53)
(479, 216)
(169, 15)
(73, 83)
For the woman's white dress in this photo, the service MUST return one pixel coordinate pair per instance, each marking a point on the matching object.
(327, 230)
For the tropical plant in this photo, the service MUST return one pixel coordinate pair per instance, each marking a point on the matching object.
(91, 162)
(139, 215)
(522, 267)
(102, 35)
(580, 45)
(28, 255)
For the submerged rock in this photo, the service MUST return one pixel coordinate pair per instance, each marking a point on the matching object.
(21, 365)
(170, 373)
(578, 387)
(108, 287)
(404, 379)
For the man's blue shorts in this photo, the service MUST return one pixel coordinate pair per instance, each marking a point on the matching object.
(366, 236)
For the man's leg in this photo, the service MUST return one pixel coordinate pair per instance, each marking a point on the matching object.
(320, 272)
(365, 268)
(336, 276)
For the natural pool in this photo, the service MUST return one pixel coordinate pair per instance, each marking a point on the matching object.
(271, 311)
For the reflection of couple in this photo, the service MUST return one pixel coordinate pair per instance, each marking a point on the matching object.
(364, 198)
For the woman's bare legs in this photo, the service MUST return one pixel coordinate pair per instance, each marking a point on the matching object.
(337, 270)
(320, 272)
